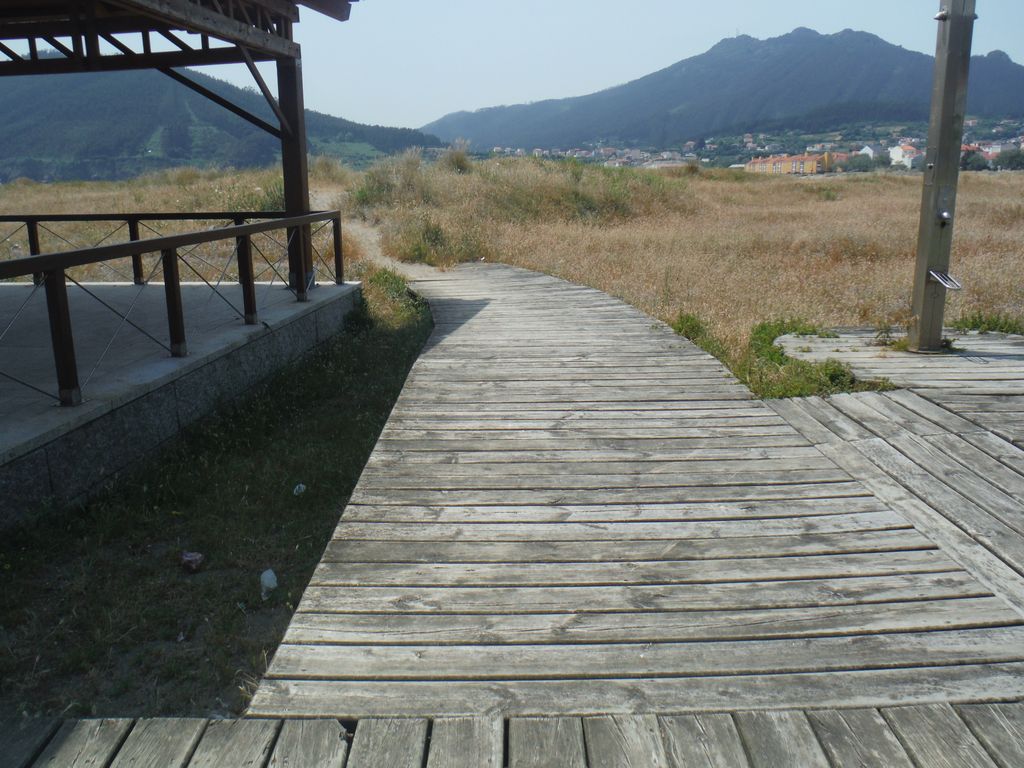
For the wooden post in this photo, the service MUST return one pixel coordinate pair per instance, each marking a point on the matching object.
(246, 278)
(32, 227)
(61, 337)
(942, 170)
(175, 313)
(296, 178)
(138, 275)
(339, 259)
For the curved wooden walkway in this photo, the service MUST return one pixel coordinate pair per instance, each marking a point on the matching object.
(573, 511)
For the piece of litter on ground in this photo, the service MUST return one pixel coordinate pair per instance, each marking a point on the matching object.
(192, 561)
(298, 490)
(268, 583)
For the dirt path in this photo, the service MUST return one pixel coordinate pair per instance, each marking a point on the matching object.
(368, 237)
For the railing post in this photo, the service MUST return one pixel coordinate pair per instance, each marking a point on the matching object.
(175, 314)
(61, 337)
(339, 261)
(239, 221)
(245, 277)
(138, 276)
(298, 270)
(32, 227)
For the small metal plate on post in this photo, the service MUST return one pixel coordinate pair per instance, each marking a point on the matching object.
(944, 279)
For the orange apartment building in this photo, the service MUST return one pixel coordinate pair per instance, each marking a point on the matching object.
(797, 165)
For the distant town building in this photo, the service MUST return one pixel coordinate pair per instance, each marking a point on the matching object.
(904, 154)
(797, 165)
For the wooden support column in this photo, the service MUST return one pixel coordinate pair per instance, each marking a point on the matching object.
(33, 247)
(339, 256)
(296, 176)
(138, 274)
(175, 311)
(246, 278)
(942, 170)
(61, 337)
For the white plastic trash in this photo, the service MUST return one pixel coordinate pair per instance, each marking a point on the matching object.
(268, 583)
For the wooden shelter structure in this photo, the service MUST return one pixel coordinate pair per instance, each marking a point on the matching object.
(40, 37)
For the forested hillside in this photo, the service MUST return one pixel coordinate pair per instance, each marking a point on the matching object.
(118, 124)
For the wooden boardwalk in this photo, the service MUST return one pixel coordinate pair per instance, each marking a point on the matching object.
(573, 511)
(982, 380)
(965, 736)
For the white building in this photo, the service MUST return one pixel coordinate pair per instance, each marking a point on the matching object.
(904, 154)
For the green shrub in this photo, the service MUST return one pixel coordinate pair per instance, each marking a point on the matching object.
(768, 370)
(990, 323)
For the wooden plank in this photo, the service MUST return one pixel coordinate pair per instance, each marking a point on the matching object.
(614, 513)
(858, 737)
(837, 422)
(623, 433)
(999, 728)
(638, 472)
(676, 529)
(856, 409)
(569, 458)
(703, 741)
(84, 743)
(943, 417)
(431, 482)
(22, 739)
(864, 688)
(780, 738)
(651, 627)
(310, 744)
(573, 573)
(389, 743)
(980, 463)
(541, 742)
(574, 443)
(684, 597)
(236, 743)
(622, 551)
(624, 741)
(1004, 451)
(935, 736)
(467, 742)
(462, 497)
(609, 660)
(160, 743)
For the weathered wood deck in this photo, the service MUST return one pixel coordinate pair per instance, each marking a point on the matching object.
(982, 380)
(940, 735)
(573, 511)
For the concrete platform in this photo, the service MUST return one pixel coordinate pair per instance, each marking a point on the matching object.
(135, 394)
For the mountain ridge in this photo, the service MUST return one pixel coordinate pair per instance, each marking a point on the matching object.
(110, 125)
(742, 83)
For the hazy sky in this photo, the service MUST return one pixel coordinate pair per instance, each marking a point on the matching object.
(407, 62)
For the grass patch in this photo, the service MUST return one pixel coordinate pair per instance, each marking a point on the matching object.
(765, 367)
(97, 616)
(990, 323)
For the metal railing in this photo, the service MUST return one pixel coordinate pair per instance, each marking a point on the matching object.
(50, 270)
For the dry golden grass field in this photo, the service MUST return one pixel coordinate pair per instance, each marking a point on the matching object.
(733, 249)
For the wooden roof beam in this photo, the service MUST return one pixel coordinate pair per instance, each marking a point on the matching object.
(113, 63)
(202, 20)
(336, 9)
